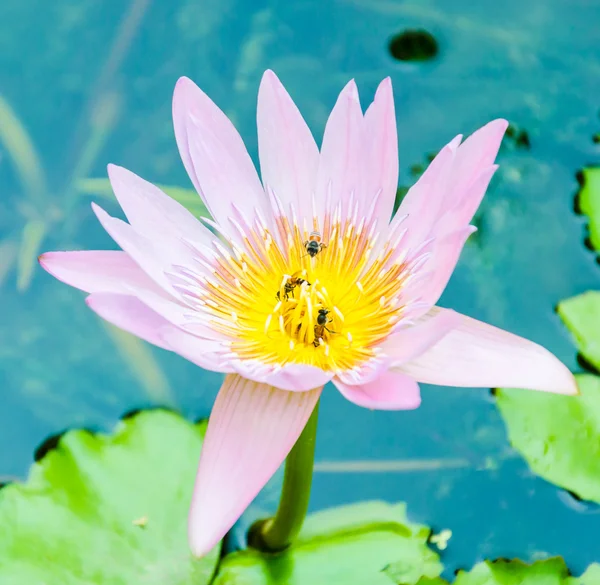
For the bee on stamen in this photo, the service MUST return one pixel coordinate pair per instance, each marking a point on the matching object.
(314, 245)
(321, 326)
(291, 283)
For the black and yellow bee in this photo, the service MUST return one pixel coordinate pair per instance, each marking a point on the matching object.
(291, 283)
(314, 245)
(321, 326)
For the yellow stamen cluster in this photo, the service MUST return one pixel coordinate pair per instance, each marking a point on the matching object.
(278, 304)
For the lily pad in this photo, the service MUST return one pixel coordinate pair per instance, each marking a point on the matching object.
(559, 436)
(504, 572)
(589, 202)
(551, 571)
(371, 542)
(581, 315)
(590, 577)
(100, 510)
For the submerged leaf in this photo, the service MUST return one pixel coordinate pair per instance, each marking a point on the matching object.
(364, 543)
(187, 197)
(107, 510)
(138, 356)
(30, 248)
(559, 436)
(103, 119)
(8, 255)
(589, 202)
(19, 146)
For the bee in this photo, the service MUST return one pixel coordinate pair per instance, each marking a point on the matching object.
(291, 283)
(321, 326)
(314, 245)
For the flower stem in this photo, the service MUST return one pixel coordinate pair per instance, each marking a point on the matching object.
(277, 533)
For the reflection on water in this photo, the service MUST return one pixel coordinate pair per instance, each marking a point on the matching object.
(83, 84)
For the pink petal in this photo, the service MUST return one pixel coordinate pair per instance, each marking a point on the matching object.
(425, 201)
(290, 377)
(289, 156)
(381, 153)
(444, 256)
(97, 271)
(476, 354)
(153, 259)
(449, 192)
(365, 372)
(464, 210)
(429, 330)
(214, 155)
(340, 166)
(476, 153)
(152, 213)
(130, 314)
(206, 353)
(251, 430)
(390, 391)
(116, 272)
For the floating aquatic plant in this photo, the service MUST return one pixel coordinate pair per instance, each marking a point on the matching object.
(94, 509)
(302, 279)
(106, 508)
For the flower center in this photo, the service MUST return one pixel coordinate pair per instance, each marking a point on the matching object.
(328, 299)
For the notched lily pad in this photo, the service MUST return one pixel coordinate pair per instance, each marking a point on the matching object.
(504, 572)
(370, 543)
(107, 509)
(589, 202)
(559, 436)
(551, 571)
(581, 315)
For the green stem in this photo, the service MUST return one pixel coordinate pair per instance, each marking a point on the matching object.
(277, 533)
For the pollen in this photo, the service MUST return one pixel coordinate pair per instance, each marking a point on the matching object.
(288, 296)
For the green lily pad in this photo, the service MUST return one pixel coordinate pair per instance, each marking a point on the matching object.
(590, 577)
(503, 572)
(559, 436)
(371, 542)
(589, 202)
(107, 510)
(551, 571)
(581, 315)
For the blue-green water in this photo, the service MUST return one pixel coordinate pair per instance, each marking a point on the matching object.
(538, 66)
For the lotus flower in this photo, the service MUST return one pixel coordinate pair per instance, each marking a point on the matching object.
(300, 279)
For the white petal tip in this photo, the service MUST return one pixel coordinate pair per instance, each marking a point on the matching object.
(270, 75)
(183, 81)
(384, 86)
(43, 260)
(351, 90)
(183, 88)
(571, 387)
(200, 543)
(50, 262)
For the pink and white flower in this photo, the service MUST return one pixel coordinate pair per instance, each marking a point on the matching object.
(243, 296)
